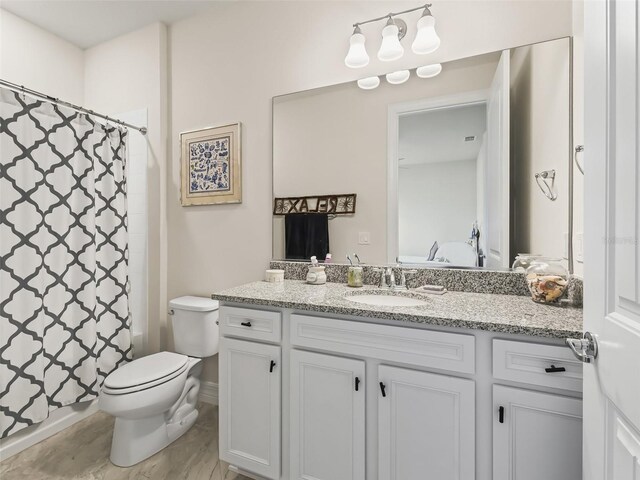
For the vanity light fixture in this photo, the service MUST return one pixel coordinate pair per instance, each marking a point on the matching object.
(429, 71)
(391, 48)
(396, 78)
(369, 83)
(426, 40)
(357, 56)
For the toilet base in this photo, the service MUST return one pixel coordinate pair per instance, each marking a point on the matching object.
(135, 440)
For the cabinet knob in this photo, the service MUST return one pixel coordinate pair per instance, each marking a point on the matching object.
(357, 383)
(382, 389)
(246, 324)
(272, 366)
(501, 414)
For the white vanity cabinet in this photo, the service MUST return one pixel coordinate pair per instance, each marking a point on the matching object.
(354, 399)
(327, 417)
(250, 407)
(536, 435)
(426, 423)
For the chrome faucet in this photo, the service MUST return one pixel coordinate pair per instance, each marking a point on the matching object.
(388, 278)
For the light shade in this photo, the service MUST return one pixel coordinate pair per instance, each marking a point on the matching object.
(357, 56)
(429, 71)
(427, 40)
(396, 78)
(391, 49)
(369, 83)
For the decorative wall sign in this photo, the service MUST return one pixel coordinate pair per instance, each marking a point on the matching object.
(331, 204)
(211, 166)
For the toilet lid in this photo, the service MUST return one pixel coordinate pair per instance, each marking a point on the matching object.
(146, 369)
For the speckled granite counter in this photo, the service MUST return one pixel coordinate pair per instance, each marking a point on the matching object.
(497, 313)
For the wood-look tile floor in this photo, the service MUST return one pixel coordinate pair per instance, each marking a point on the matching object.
(82, 452)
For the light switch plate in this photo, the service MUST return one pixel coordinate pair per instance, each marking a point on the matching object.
(364, 238)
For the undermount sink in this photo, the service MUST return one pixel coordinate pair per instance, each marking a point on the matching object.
(387, 300)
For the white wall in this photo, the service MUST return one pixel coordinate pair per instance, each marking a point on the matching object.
(436, 202)
(39, 60)
(227, 64)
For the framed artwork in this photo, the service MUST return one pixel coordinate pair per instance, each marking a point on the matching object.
(211, 166)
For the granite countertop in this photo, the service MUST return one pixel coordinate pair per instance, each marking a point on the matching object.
(497, 313)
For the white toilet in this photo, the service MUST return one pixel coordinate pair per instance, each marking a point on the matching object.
(154, 398)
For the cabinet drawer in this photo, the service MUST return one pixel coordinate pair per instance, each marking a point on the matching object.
(526, 363)
(447, 351)
(248, 323)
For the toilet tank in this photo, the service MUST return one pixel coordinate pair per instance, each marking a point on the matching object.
(195, 326)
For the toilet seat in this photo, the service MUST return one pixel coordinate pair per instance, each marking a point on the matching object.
(145, 373)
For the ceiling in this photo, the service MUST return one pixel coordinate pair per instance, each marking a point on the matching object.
(439, 135)
(86, 23)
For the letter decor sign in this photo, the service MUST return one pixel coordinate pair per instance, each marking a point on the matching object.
(331, 204)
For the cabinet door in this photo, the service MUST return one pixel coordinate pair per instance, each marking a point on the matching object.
(250, 406)
(426, 426)
(536, 435)
(327, 417)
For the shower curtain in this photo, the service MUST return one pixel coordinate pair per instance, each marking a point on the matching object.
(64, 310)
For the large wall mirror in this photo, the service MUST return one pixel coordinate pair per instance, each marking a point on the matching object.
(464, 169)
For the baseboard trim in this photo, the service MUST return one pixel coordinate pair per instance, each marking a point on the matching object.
(29, 436)
(209, 392)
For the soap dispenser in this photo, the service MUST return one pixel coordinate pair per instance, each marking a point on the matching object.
(316, 274)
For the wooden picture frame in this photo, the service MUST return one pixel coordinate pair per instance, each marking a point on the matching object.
(211, 166)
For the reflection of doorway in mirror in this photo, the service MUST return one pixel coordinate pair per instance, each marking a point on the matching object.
(436, 201)
(448, 178)
(441, 153)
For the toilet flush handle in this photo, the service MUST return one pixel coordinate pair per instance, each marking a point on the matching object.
(171, 312)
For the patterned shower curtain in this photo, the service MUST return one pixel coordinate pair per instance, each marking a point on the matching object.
(64, 310)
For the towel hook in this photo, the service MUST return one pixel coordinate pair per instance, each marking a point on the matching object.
(547, 189)
(579, 149)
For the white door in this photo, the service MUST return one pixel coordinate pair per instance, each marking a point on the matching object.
(536, 435)
(497, 211)
(426, 426)
(612, 247)
(250, 406)
(327, 417)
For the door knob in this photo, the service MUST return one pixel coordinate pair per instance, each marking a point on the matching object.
(585, 349)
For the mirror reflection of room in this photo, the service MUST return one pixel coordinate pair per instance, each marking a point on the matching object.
(469, 167)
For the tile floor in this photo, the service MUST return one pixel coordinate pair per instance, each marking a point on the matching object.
(82, 452)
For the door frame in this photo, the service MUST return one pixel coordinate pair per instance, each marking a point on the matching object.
(395, 111)
(596, 156)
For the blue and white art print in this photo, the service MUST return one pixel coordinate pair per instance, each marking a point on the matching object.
(211, 166)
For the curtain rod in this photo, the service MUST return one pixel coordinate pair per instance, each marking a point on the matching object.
(48, 98)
